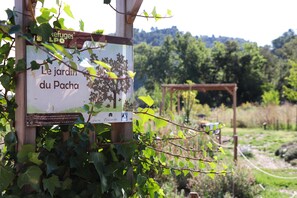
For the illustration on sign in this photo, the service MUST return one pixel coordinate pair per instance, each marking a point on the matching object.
(56, 88)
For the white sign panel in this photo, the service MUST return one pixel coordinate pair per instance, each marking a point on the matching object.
(58, 88)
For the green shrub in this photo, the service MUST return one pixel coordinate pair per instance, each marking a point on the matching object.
(239, 184)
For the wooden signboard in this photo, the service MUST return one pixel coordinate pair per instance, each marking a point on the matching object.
(57, 92)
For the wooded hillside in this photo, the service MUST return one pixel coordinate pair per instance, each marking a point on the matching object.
(172, 56)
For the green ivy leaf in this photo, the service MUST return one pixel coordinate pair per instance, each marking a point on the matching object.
(23, 154)
(147, 100)
(14, 29)
(212, 165)
(166, 171)
(103, 64)
(141, 179)
(34, 65)
(57, 25)
(6, 177)
(10, 138)
(195, 174)
(62, 23)
(186, 172)
(209, 145)
(45, 31)
(163, 158)
(160, 123)
(30, 177)
(5, 81)
(146, 14)
(191, 165)
(62, 50)
(169, 13)
(51, 184)
(181, 164)
(201, 165)
(49, 143)
(92, 71)
(181, 134)
(222, 150)
(51, 164)
(33, 157)
(98, 159)
(81, 25)
(73, 65)
(211, 175)
(66, 185)
(177, 172)
(49, 47)
(131, 74)
(112, 75)
(67, 10)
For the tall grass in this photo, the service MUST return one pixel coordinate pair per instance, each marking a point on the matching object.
(276, 117)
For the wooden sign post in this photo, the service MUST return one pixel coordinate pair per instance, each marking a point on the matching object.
(124, 28)
(25, 135)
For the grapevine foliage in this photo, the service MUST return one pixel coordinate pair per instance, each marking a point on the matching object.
(64, 163)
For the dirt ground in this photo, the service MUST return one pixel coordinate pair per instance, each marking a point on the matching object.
(262, 160)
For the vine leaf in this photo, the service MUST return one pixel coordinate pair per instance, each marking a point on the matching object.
(6, 177)
(31, 177)
(181, 134)
(222, 150)
(49, 143)
(14, 29)
(211, 175)
(81, 25)
(147, 100)
(98, 159)
(51, 184)
(67, 10)
(131, 74)
(34, 65)
(186, 172)
(23, 154)
(103, 64)
(33, 157)
(49, 47)
(160, 123)
(169, 13)
(112, 75)
(166, 171)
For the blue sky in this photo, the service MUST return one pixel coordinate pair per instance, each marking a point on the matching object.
(258, 21)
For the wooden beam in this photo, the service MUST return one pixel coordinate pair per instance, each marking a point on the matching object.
(132, 10)
(124, 131)
(25, 135)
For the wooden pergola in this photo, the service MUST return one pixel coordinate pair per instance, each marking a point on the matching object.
(231, 88)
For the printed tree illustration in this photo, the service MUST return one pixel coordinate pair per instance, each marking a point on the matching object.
(108, 87)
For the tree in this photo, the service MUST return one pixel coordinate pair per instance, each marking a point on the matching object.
(280, 41)
(108, 87)
(291, 85)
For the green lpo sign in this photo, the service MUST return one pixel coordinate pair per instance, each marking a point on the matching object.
(94, 72)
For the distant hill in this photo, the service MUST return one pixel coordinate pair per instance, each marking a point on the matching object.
(157, 36)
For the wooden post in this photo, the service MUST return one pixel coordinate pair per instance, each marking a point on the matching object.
(178, 104)
(171, 95)
(124, 131)
(25, 135)
(163, 99)
(234, 124)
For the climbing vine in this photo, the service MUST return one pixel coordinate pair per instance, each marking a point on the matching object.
(64, 163)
